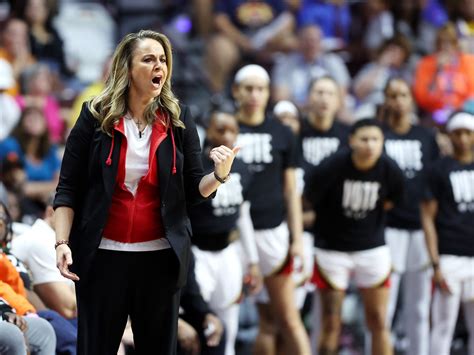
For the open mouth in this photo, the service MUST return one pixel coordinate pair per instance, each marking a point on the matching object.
(156, 80)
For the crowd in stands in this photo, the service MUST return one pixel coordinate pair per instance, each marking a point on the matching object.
(357, 46)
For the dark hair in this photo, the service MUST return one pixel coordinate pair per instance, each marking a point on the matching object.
(319, 78)
(23, 137)
(8, 221)
(365, 122)
(398, 40)
(391, 80)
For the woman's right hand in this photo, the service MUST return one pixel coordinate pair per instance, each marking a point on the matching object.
(64, 260)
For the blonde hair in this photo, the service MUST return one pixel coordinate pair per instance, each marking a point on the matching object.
(111, 103)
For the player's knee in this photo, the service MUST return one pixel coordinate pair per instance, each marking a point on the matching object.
(376, 321)
(331, 324)
(289, 322)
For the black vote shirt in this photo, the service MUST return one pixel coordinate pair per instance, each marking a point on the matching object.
(452, 185)
(317, 145)
(219, 215)
(414, 152)
(267, 150)
(349, 202)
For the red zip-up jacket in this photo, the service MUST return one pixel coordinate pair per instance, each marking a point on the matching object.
(133, 219)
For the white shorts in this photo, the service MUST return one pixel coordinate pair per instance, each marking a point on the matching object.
(370, 268)
(219, 275)
(299, 275)
(408, 249)
(458, 272)
(272, 247)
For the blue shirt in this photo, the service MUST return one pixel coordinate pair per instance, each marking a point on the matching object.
(43, 170)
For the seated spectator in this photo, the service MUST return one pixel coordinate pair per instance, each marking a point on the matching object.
(463, 17)
(88, 93)
(246, 27)
(37, 91)
(14, 272)
(15, 48)
(36, 249)
(46, 44)
(379, 25)
(10, 112)
(294, 72)
(332, 16)
(31, 144)
(20, 335)
(390, 61)
(418, 21)
(444, 81)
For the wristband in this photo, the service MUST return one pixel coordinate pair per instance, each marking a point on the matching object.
(59, 242)
(221, 180)
(435, 265)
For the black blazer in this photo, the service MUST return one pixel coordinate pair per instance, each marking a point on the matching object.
(86, 184)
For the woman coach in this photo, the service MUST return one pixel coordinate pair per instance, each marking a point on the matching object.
(131, 165)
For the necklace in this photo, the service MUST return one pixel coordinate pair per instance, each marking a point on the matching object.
(138, 124)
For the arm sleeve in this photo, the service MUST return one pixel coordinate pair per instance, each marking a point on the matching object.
(244, 223)
(193, 169)
(75, 160)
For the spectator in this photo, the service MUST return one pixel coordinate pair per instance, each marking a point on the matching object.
(36, 249)
(66, 332)
(13, 293)
(16, 49)
(88, 93)
(332, 16)
(246, 28)
(416, 20)
(444, 81)
(463, 17)
(37, 91)
(10, 112)
(46, 44)
(379, 26)
(31, 144)
(19, 335)
(293, 73)
(391, 60)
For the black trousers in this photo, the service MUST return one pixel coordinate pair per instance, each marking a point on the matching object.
(136, 284)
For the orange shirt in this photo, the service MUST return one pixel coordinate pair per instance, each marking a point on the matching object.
(12, 288)
(447, 87)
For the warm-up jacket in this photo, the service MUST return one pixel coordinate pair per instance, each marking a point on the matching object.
(88, 175)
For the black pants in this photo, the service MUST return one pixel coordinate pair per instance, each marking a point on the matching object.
(136, 284)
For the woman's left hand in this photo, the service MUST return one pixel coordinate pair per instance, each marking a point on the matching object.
(223, 157)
